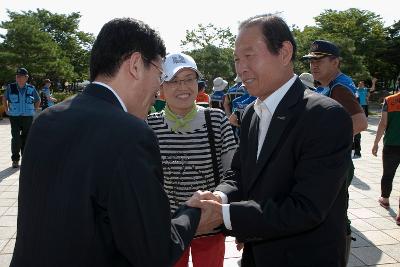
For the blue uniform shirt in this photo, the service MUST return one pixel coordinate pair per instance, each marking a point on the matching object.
(340, 79)
(240, 103)
(21, 101)
(362, 96)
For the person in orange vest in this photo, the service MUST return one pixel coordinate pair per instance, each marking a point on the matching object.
(202, 99)
(390, 126)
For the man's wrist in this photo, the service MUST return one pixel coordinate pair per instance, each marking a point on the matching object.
(222, 197)
(219, 199)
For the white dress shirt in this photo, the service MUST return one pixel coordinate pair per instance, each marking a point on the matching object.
(265, 110)
(265, 115)
(116, 95)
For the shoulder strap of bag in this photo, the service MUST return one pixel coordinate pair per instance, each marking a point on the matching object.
(210, 133)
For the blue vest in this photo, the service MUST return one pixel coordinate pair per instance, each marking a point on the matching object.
(217, 98)
(342, 80)
(240, 103)
(235, 91)
(21, 102)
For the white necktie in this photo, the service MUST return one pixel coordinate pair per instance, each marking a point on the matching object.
(265, 119)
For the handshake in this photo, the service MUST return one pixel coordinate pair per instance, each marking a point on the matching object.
(211, 210)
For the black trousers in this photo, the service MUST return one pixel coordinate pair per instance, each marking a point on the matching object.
(20, 126)
(391, 160)
(357, 137)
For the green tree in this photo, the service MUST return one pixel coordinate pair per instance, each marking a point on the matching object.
(206, 35)
(391, 54)
(213, 62)
(359, 34)
(212, 49)
(75, 45)
(48, 45)
(364, 28)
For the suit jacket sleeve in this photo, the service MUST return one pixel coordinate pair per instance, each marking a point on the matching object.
(139, 208)
(230, 182)
(318, 179)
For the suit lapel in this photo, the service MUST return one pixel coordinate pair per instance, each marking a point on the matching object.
(281, 119)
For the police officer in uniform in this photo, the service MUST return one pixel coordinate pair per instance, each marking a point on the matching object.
(20, 101)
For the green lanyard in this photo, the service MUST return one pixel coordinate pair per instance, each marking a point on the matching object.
(180, 122)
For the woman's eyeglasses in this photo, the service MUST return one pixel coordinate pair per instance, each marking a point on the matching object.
(187, 82)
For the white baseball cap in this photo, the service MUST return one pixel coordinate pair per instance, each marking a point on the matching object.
(175, 62)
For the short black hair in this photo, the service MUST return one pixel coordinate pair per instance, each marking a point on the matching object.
(201, 84)
(275, 31)
(117, 40)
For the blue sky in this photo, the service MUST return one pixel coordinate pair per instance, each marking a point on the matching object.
(173, 17)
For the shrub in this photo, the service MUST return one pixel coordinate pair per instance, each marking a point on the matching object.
(61, 96)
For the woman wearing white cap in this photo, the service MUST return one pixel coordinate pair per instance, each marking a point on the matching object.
(194, 153)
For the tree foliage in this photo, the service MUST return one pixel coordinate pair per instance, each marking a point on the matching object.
(214, 62)
(48, 45)
(212, 49)
(365, 28)
(391, 53)
(206, 35)
(362, 38)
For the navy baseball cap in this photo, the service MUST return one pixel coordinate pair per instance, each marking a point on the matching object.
(22, 71)
(322, 48)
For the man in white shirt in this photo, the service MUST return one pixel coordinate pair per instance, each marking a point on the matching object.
(285, 197)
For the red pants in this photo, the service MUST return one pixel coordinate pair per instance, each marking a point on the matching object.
(206, 251)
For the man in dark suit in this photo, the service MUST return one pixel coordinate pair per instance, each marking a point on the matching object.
(95, 198)
(286, 191)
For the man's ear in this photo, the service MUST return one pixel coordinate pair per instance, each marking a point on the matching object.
(286, 52)
(336, 62)
(135, 65)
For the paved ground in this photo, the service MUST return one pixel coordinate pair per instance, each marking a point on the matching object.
(378, 236)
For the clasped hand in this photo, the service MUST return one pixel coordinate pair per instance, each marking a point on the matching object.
(211, 210)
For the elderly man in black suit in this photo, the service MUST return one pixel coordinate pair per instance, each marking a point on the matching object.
(95, 198)
(287, 190)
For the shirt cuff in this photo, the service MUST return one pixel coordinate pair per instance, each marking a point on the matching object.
(226, 215)
(223, 196)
